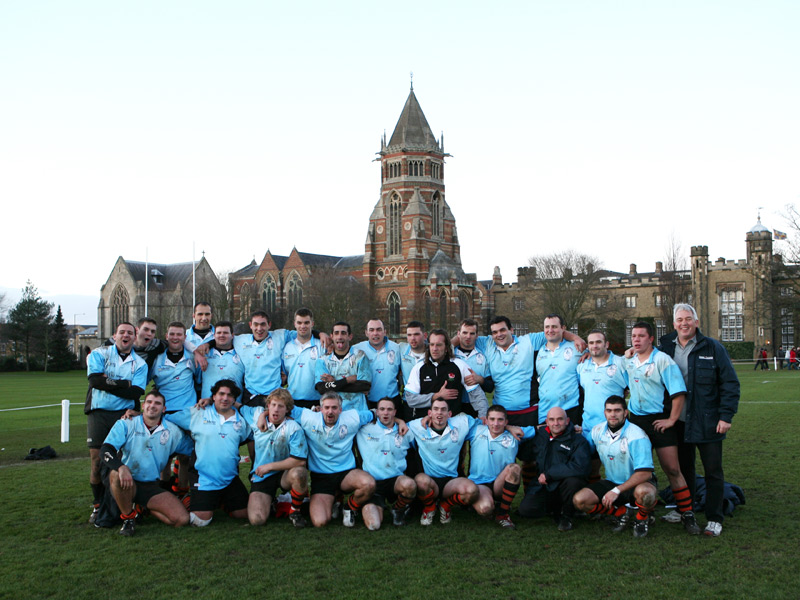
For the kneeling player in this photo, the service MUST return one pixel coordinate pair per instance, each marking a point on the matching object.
(218, 431)
(383, 450)
(281, 454)
(627, 458)
(439, 446)
(493, 466)
(146, 442)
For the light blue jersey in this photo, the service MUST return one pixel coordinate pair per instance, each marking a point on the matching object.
(512, 369)
(144, 453)
(440, 452)
(262, 360)
(355, 362)
(476, 360)
(216, 443)
(106, 360)
(408, 360)
(598, 383)
(649, 380)
(299, 363)
(276, 443)
(330, 449)
(385, 364)
(222, 364)
(623, 452)
(488, 456)
(558, 378)
(175, 380)
(383, 450)
(193, 340)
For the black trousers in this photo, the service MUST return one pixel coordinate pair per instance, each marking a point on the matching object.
(539, 502)
(711, 457)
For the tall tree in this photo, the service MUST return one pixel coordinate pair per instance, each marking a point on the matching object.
(30, 323)
(61, 357)
(675, 282)
(334, 296)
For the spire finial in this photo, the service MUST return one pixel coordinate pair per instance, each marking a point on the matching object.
(759, 213)
(412, 81)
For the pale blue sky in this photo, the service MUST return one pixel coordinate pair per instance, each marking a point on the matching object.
(241, 126)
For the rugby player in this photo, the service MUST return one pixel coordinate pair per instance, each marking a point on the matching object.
(345, 370)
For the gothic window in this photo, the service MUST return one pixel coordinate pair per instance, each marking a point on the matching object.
(393, 302)
(245, 301)
(426, 303)
(732, 315)
(269, 294)
(444, 311)
(119, 306)
(436, 171)
(395, 225)
(436, 210)
(294, 291)
(464, 303)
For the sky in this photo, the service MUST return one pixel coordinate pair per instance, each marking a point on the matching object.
(149, 128)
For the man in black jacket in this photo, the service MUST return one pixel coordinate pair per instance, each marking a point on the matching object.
(564, 459)
(711, 401)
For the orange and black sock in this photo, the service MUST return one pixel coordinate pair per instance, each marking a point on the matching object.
(507, 497)
(452, 501)
(428, 502)
(683, 498)
(353, 505)
(643, 514)
(297, 500)
(401, 502)
(130, 515)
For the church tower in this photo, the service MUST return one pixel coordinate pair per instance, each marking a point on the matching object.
(412, 249)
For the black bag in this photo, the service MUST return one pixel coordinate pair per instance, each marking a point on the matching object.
(41, 453)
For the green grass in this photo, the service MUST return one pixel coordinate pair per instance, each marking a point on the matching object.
(48, 550)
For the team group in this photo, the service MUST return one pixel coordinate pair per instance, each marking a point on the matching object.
(310, 405)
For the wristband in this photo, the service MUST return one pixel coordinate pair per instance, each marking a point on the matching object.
(616, 490)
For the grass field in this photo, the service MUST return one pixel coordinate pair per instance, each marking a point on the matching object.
(49, 550)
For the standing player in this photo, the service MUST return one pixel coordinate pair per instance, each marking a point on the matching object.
(345, 371)
(475, 359)
(117, 378)
(557, 367)
(439, 447)
(222, 361)
(202, 331)
(712, 400)
(652, 377)
(413, 350)
(493, 467)
(281, 454)
(383, 449)
(300, 357)
(384, 360)
(564, 459)
(628, 461)
(217, 431)
(146, 443)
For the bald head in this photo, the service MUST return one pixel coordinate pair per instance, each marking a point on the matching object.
(557, 420)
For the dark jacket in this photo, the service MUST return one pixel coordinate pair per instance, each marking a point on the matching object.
(712, 384)
(568, 455)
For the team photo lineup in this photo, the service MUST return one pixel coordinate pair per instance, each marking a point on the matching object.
(428, 430)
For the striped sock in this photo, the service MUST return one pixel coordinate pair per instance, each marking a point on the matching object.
(452, 501)
(683, 498)
(130, 515)
(297, 500)
(353, 505)
(401, 502)
(507, 497)
(614, 511)
(643, 514)
(428, 501)
(529, 472)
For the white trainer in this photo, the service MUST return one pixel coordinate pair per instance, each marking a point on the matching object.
(713, 529)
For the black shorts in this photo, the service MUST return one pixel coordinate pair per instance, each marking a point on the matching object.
(384, 491)
(602, 487)
(441, 482)
(232, 497)
(98, 423)
(255, 400)
(309, 404)
(659, 440)
(327, 483)
(467, 409)
(526, 452)
(146, 490)
(269, 485)
(575, 415)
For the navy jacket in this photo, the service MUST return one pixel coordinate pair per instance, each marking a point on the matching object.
(713, 387)
(568, 455)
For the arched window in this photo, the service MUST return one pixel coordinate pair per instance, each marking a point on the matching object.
(436, 211)
(294, 291)
(120, 304)
(393, 302)
(464, 306)
(269, 294)
(426, 304)
(444, 311)
(245, 302)
(395, 225)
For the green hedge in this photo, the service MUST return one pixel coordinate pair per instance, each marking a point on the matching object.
(740, 350)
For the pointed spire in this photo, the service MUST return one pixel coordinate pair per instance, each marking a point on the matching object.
(412, 129)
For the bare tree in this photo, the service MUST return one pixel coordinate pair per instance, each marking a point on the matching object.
(334, 296)
(567, 283)
(675, 281)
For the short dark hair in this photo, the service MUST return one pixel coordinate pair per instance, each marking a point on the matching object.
(202, 303)
(342, 324)
(144, 320)
(498, 408)
(260, 313)
(616, 400)
(416, 324)
(643, 325)
(556, 316)
(227, 324)
(600, 331)
(228, 383)
(501, 319)
(303, 312)
(157, 393)
(128, 323)
(468, 323)
(177, 324)
(389, 399)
